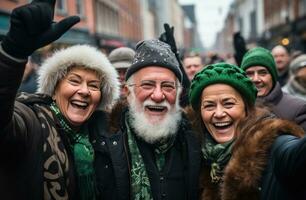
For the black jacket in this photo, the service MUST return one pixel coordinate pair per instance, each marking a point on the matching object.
(113, 161)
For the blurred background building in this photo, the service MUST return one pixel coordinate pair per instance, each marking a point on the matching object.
(109, 24)
(265, 23)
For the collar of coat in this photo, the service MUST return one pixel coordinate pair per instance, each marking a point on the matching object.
(243, 173)
(116, 116)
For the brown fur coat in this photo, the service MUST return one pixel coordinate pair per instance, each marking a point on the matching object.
(249, 159)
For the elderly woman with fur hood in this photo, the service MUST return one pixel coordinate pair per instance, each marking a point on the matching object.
(46, 149)
(247, 152)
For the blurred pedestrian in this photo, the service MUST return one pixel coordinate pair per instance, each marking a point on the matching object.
(152, 152)
(259, 65)
(239, 47)
(247, 152)
(192, 64)
(45, 147)
(29, 79)
(296, 85)
(121, 58)
(282, 60)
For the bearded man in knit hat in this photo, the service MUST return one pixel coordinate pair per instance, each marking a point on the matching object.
(152, 152)
(259, 65)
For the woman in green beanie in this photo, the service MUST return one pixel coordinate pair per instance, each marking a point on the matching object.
(247, 152)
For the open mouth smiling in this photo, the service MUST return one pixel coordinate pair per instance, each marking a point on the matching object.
(222, 125)
(79, 104)
(156, 108)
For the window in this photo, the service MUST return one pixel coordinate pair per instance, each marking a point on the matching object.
(79, 7)
(61, 6)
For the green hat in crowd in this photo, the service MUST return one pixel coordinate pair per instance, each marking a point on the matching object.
(222, 73)
(259, 56)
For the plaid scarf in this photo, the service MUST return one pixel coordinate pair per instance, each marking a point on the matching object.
(83, 156)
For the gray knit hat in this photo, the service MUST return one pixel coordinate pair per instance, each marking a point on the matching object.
(154, 53)
(55, 68)
(298, 63)
(121, 57)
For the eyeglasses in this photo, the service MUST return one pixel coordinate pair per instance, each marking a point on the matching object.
(150, 86)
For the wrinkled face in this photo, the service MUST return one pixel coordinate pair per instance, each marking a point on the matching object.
(262, 79)
(222, 108)
(155, 90)
(78, 94)
(153, 98)
(281, 58)
(192, 65)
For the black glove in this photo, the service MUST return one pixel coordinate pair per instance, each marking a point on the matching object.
(168, 37)
(240, 47)
(32, 27)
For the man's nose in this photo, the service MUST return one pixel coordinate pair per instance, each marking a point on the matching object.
(157, 94)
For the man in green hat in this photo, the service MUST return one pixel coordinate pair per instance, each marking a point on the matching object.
(259, 65)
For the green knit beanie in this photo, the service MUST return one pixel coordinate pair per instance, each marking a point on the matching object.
(222, 73)
(259, 56)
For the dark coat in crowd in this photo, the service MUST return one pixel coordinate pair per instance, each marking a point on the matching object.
(267, 163)
(37, 156)
(285, 106)
(178, 179)
(21, 171)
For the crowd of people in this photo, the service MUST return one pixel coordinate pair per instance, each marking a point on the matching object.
(145, 124)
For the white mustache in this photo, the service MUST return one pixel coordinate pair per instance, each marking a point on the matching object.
(149, 102)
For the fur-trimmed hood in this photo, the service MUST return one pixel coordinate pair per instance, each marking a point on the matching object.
(55, 68)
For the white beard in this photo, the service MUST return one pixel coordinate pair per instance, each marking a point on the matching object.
(153, 129)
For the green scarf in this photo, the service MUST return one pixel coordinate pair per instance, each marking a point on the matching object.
(217, 156)
(83, 156)
(160, 150)
(140, 183)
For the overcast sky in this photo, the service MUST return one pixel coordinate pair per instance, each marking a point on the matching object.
(210, 16)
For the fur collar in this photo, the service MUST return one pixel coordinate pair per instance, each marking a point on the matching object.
(251, 151)
(116, 115)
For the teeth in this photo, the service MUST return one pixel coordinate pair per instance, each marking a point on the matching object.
(220, 124)
(80, 103)
(156, 107)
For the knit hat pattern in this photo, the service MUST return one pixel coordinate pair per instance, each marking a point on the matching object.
(298, 63)
(222, 73)
(259, 56)
(55, 68)
(154, 53)
(122, 57)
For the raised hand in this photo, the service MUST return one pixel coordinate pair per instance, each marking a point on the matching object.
(32, 27)
(239, 47)
(168, 37)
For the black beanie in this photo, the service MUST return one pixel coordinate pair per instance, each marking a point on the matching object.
(154, 53)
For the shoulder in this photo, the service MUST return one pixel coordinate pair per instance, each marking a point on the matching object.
(295, 103)
(263, 128)
(116, 116)
(32, 99)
